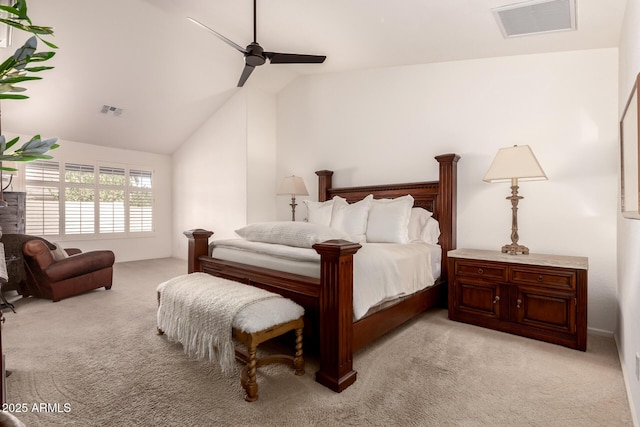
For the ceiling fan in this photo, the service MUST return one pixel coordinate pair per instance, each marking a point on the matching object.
(254, 54)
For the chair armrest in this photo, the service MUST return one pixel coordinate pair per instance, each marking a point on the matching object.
(39, 251)
(78, 265)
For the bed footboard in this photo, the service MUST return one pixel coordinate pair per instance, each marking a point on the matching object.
(329, 301)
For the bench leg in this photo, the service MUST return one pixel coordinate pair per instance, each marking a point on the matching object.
(248, 377)
(298, 360)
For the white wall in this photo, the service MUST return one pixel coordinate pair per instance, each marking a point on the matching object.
(261, 156)
(210, 176)
(386, 125)
(224, 174)
(629, 230)
(157, 245)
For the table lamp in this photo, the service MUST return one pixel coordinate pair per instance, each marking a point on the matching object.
(513, 164)
(294, 186)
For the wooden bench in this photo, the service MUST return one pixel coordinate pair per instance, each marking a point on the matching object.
(255, 323)
(253, 340)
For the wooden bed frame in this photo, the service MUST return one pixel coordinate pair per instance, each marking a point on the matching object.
(328, 301)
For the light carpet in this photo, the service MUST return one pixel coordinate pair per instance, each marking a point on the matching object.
(95, 360)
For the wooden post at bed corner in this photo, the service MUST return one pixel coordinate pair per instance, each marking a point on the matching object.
(447, 206)
(335, 307)
(324, 183)
(198, 246)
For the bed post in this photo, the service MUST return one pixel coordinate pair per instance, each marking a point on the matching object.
(447, 214)
(324, 183)
(335, 307)
(198, 246)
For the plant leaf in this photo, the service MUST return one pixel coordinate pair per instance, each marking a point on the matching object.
(48, 43)
(36, 29)
(9, 96)
(18, 79)
(12, 142)
(9, 9)
(37, 69)
(23, 54)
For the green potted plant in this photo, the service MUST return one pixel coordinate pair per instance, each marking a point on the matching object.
(19, 68)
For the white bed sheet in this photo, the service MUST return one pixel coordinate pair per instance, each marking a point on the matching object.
(381, 271)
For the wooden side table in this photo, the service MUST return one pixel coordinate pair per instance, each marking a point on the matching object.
(537, 296)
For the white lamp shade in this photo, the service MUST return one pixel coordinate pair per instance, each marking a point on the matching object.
(293, 185)
(515, 162)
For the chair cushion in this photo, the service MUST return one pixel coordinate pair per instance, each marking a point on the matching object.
(80, 264)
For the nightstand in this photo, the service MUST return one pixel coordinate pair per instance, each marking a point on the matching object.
(536, 296)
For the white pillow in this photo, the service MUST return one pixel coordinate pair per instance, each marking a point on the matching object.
(290, 233)
(388, 220)
(417, 221)
(431, 231)
(58, 253)
(351, 218)
(320, 212)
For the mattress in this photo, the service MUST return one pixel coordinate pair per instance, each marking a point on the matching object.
(381, 271)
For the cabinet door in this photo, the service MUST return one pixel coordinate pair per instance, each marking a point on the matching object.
(555, 311)
(478, 298)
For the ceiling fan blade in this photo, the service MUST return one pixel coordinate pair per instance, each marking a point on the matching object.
(220, 36)
(293, 58)
(248, 69)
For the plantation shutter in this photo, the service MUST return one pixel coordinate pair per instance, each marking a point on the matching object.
(67, 199)
(79, 199)
(112, 199)
(43, 198)
(140, 201)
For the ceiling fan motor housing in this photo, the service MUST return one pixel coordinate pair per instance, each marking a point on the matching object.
(254, 55)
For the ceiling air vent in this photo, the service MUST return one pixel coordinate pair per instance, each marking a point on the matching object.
(536, 16)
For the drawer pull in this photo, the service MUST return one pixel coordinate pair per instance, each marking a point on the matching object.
(480, 271)
(496, 299)
(540, 278)
(518, 302)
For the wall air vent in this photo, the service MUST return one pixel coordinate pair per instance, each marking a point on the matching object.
(536, 17)
(109, 109)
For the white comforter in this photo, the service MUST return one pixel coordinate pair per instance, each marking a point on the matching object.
(381, 271)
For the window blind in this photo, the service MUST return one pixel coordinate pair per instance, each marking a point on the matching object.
(76, 198)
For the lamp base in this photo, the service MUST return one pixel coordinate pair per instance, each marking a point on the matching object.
(514, 249)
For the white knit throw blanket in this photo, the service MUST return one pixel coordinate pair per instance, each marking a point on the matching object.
(197, 310)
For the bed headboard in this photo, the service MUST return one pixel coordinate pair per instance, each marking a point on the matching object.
(438, 197)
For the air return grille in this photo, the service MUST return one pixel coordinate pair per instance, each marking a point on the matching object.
(535, 17)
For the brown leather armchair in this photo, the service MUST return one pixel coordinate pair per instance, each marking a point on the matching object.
(78, 273)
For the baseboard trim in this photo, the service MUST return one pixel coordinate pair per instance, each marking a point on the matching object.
(600, 332)
(625, 377)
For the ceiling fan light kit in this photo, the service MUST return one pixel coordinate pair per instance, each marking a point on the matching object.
(254, 54)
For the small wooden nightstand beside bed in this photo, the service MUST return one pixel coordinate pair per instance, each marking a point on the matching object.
(536, 296)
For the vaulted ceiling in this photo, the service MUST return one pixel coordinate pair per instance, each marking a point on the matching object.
(168, 75)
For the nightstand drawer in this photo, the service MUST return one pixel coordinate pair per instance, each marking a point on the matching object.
(482, 270)
(560, 279)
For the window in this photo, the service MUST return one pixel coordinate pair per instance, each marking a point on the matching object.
(112, 197)
(83, 199)
(79, 199)
(43, 198)
(140, 201)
